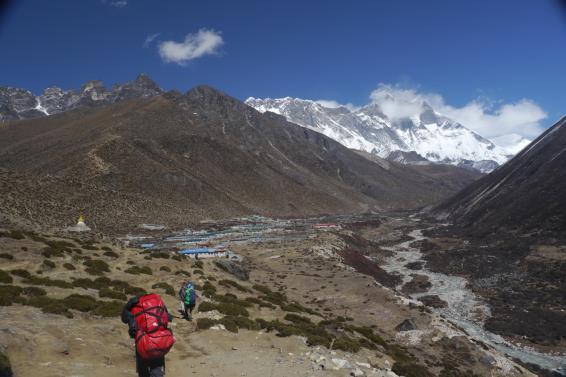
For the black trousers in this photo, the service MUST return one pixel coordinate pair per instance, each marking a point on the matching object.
(150, 368)
(188, 309)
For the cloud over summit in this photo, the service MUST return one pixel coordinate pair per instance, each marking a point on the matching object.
(507, 124)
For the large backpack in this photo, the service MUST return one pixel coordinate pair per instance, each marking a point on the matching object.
(188, 293)
(153, 338)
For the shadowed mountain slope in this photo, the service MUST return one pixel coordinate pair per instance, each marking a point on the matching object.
(177, 159)
(528, 193)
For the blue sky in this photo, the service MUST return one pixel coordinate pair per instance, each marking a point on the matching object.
(486, 52)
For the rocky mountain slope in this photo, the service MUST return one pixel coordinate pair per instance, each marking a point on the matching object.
(16, 103)
(526, 194)
(431, 135)
(178, 159)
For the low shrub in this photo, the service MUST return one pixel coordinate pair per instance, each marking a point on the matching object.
(134, 291)
(206, 306)
(89, 247)
(161, 255)
(106, 248)
(167, 287)
(411, 369)
(176, 257)
(198, 272)
(231, 283)
(111, 293)
(110, 253)
(49, 252)
(34, 291)
(234, 323)
(50, 305)
(48, 264)
(260, 303)
(96, 267)
(135, 270)
(21, 273)
(36, 280)
(69, 266)
(182, 272)
(368, 333)
(15, 234)
(208, 289)
(297, 319)
(164, 268)
(228, 308)
(205, 323)
(5, 277)
(347, 344)
(108, 308)
(198, 264)
(82, 303)
(6, 256)
(8, 293)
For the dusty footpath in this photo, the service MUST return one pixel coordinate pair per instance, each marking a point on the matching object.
(296, 310)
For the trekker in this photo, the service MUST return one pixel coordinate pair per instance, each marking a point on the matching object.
(188, 297)
(147, 318)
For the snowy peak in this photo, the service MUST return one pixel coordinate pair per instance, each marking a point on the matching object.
(16, 103)
(429, 134)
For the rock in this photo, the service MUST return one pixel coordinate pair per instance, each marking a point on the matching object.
(357, 373)
(419, 284)
(433, 301)
(234, 268)
(406, 325)
(487, 360)
(341, 364)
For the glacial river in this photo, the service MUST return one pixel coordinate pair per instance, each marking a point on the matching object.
(464, 309)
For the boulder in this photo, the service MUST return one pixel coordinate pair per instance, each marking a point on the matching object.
(406, 325)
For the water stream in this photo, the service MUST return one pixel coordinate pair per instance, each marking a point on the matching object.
(464, 308)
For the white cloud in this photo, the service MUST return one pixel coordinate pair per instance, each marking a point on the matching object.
(119, 3)
(331, 104)
(507, 124)
(203, 42)
(149, 39)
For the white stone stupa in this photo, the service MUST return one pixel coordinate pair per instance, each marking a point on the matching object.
(80, 226)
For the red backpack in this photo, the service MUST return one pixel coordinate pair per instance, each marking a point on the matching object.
(153, 338)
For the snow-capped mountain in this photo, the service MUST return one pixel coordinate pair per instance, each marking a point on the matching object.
(16, 103)
(430, 135)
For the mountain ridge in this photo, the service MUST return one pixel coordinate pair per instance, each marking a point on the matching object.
(431, 135)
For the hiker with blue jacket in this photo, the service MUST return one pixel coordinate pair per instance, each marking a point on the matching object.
(188, 297)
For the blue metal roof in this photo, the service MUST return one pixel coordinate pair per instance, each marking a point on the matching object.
(199, 250)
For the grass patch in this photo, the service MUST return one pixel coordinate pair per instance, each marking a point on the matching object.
(15, 234)
(21, 273)
(5, 277)
(108, 309)
(206, 306)
(96, 267)
(136, 270)
(205, 323)
(111, 293)
(231, 283)
(234, 323)
(110, 254)
(8, 294)
(50, 305)
(166, 287)
(82, 303)
(161, 255)
(36, 280)
(49, 252)
(48, 264)
(208, 289)
(34, 291)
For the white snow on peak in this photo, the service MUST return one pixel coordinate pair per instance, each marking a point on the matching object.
(430, 134)
(39, 107)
